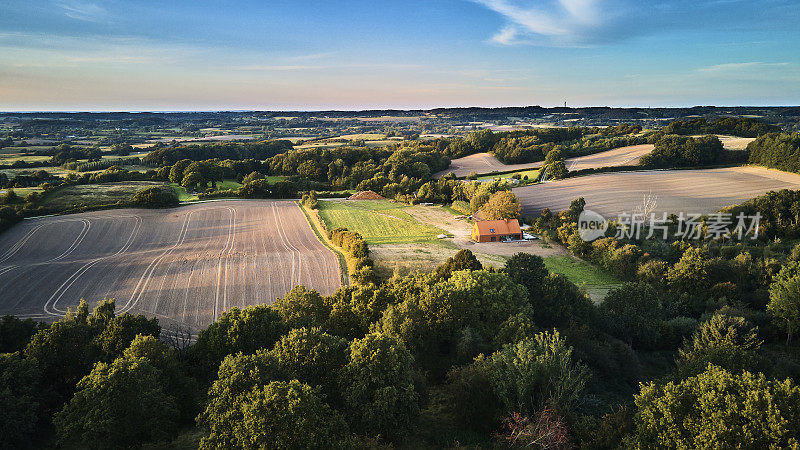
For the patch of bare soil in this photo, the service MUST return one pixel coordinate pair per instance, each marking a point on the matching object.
(366, 195)
(440, 218)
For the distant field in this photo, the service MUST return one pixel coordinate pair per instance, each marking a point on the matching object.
(674, 191)
(132, 155)
(185, 196)
(733, 142)
(486, 163)
(22, 191)
(378, 221)
(532, 174)
(364, 136)
(623, 156)
(54, 170)
(481, 163)
(94, 195)
(10, 158)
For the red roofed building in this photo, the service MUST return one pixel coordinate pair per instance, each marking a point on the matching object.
(496, 230)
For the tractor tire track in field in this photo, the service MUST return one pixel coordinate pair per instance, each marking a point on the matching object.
(185, 266)
(53, 300)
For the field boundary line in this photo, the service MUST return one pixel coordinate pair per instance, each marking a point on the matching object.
(318, 230)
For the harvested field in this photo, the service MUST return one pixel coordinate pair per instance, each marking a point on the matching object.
(184, 266)
(483, 163)
(675, 191)
(733, 142)
(623, 156)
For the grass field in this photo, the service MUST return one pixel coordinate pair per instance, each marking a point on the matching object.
(94, 195)
(10, 158)
(182, 194)
(579, 272)
(532, 174)
(22, 191)
(378, 221)
(185, 196)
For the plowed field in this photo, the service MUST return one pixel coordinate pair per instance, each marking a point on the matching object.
(186, 265)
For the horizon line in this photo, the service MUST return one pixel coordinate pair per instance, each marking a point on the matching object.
(361, 110)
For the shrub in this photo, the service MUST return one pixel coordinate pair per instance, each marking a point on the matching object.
(156, 197)
(356, 252)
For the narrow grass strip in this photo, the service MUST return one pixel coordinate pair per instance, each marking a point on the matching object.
(319, 229)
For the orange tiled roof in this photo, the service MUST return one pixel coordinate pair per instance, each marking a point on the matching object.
(498, 227)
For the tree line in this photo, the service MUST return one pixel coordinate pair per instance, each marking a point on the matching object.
(736, 126)
(777, 150)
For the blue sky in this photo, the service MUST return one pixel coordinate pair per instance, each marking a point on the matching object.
(277, 54)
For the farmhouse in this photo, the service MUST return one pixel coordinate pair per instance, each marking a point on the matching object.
(496, 230)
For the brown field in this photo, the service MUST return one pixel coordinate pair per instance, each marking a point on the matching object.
(623, 156)
(734, 142)
(674, 191)
(483, 163)
(184, 266)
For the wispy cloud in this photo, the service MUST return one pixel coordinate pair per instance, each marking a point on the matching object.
(83, 10)
(739, 67)
(313, 56)
(508, 35)
(561, 22)
(59, 51)
(581, 23)
(309, 67)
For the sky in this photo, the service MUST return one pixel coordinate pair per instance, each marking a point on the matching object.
(143, 55)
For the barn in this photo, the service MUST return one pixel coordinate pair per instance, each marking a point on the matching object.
(496, 230)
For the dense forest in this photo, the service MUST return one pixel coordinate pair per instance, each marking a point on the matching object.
(777, 150)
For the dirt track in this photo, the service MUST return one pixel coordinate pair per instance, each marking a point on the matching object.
(483, 163)
(675, 191)
(184, 265)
